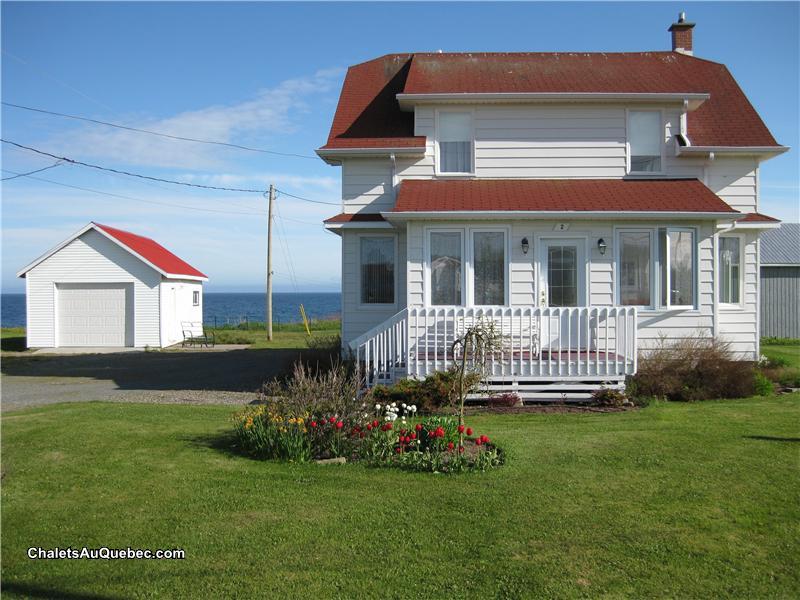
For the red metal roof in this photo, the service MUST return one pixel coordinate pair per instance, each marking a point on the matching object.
(617, 195)
(152, 252)
(757, 218)
(369, 116)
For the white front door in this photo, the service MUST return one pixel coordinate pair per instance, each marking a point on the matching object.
(562, 283)
(91, 314)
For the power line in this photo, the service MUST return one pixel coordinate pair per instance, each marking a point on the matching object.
(307, 199)
(30, 172)
(158, 133)
(58, 81)
(113, 195)
(129, 174)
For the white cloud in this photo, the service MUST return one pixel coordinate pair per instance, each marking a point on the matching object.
(273, 111)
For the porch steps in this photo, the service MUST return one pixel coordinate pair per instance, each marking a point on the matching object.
(547, 391)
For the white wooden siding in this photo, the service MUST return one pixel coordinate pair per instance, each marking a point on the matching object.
(738, 325)
(358, 318)
(177, 307)
(734, 180)
(91, 258)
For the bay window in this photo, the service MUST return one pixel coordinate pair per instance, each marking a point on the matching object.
(670, 268)
(377, 269)
(446, 268)
(729, 269)
(455, 142)
(645, 140)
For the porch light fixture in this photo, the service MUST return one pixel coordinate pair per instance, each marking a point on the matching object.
(601, 246)
(525, 245)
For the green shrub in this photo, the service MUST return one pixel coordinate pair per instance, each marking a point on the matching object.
(609, 397)
(763, 385)
(695, 368)
(431, 394)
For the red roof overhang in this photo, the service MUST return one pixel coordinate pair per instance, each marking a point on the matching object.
(655, 196)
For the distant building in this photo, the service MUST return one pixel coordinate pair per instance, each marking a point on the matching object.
(107, 287)
(780, 281)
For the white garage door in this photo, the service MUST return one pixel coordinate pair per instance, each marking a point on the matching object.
(91, 314)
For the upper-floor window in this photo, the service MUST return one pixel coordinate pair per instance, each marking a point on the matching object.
(645, 140)
(377, 269)
(455, 142)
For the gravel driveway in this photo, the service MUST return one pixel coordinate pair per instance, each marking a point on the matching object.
(190, 377)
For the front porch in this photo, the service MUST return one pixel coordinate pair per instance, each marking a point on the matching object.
(544, 352)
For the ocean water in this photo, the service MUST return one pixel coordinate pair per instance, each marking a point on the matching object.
(221, 308)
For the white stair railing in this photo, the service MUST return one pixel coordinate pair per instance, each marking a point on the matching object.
(383, 350)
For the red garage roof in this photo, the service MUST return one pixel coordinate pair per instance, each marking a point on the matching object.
(559, 195)
(369, 116)
(152, 252)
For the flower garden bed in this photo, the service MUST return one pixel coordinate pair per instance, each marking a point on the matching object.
(389, 435)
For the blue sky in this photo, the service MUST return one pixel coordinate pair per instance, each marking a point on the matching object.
(268, 75)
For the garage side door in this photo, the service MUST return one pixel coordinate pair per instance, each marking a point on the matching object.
(91, 314)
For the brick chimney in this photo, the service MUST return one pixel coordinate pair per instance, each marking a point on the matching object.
(682, 35)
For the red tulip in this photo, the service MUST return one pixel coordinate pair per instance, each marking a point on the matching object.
(313, 423)
(339, 425)
(450, 445)
(413, 436)
(361, 435)
(469, 430)
(418, 427)
(478, 442)
(484, 439)
(461, 448)
(375, 423)
(402, 432)
(460, 429)
(369, 426)
(332, 419)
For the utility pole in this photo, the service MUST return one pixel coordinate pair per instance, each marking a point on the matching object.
(269, 262)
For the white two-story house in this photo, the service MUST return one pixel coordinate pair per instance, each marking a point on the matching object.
(587, 203)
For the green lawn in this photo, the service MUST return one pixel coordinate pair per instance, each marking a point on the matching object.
(676, 500)
(12, 339)
(790, 352)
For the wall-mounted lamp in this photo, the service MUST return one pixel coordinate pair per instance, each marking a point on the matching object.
(525, 245)
(601, 245)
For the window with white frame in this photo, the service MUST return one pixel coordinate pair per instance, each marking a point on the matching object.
(679, 266)
(195, 298)
(489, 268)
(673, 261)
(455, 142)
(446, 268)
(634, 268)
(730, 269)
(645, 140)
(377, 269)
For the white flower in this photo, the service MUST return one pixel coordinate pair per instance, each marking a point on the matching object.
(404, 404)
(394, 404)
(377, 407)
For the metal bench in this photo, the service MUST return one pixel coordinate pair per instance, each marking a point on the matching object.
(194, 334)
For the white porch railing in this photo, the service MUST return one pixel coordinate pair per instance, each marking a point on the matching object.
(538, 344)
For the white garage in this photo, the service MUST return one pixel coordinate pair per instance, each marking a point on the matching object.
(105, 287)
